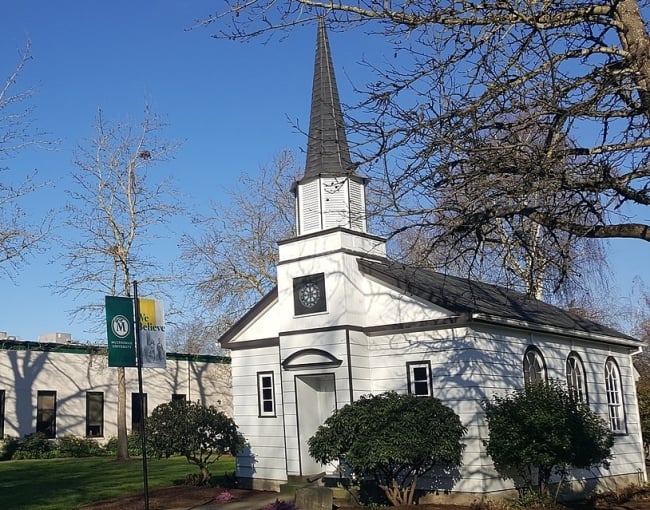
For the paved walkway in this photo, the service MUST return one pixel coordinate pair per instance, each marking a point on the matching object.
(254, 500)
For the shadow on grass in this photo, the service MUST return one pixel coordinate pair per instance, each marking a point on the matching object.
(70, 483)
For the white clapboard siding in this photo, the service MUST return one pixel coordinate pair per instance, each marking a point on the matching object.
(265, 435)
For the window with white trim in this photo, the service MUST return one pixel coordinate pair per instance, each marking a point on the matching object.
(575, 378)
(265, 394)
(534, 366)
(418, 376)
(614, 397)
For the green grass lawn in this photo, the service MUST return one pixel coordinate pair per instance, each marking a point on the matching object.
(70, 483)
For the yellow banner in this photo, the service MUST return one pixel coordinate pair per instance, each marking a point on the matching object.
(152, 333)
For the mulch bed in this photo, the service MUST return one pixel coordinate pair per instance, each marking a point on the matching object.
(188, 497)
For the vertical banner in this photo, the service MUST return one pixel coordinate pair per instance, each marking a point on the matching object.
(152, 333)
(120, 331)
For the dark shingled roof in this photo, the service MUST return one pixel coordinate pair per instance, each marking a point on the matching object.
(327, 146)
(472, 297)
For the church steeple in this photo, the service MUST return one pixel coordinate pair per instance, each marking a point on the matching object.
(330, 194)
(327, 147)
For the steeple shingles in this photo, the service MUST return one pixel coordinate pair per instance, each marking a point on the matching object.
(327, 146)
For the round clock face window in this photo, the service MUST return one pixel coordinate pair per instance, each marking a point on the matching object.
(309, 295)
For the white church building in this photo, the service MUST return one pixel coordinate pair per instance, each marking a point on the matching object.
(344, 321)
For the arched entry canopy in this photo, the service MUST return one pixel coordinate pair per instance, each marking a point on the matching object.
(310, 359)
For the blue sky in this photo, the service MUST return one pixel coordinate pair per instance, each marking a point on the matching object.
(232, 104)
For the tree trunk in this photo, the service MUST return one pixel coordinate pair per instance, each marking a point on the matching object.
(122, 438)
(205, 475)
(544, 477)
(399, 495)
(634, 39)
(410, 491)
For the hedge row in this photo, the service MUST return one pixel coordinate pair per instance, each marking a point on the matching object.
(37, 446)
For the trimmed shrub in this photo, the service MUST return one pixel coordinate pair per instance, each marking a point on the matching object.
(200, 433)
(34, 446)
(392, 439)
(9, 447)
(541, 430)
(73, 446)
(134, 445)
(37, 446)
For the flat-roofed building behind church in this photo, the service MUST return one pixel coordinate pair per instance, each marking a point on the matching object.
(63, 388)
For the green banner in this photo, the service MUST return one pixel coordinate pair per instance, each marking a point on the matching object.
(120, 329)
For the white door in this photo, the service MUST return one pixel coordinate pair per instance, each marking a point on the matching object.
(316, 400)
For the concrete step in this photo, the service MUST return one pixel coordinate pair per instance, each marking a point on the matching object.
(298, 482)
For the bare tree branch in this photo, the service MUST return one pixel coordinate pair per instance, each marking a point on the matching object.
(580, 70)
(19, 236)
(234, 255)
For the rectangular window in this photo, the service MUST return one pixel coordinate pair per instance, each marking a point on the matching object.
(46, 413)
(179, 396)
(94, 414)
(265, 394)
(2, 414)
(138, 410)
(418, 375)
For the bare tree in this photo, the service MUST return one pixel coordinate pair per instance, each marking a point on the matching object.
(114, 207)
(466, 74)
(195, 335)
(642, 316)
(234, 256)
(573, 275)
(18, 236)
(512, 251)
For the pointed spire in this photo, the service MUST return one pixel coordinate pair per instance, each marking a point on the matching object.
(327, 147)
(330, 194)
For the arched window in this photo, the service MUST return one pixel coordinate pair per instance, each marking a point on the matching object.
(575, 378)
(614, 397)
(534, 366)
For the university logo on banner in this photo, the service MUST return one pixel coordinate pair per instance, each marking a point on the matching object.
(120, 331)
(152, 333)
